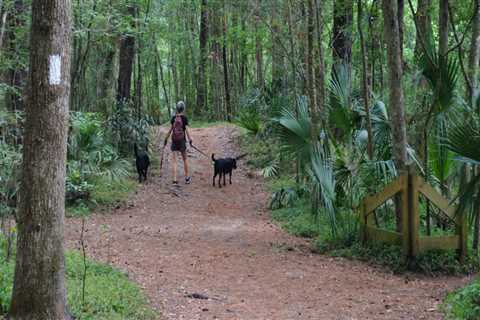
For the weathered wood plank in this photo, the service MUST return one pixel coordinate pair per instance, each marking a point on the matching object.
(414, 215)
(430, 193)
(375, 201)
(440, 242)
(375, 234)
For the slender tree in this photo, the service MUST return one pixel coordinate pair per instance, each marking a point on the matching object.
(443, 21)
(39, 284)
(392, 39)
(342, 32)
(126, 63)
(202, 66)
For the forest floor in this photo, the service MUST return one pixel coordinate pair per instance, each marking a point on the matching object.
(182, 244)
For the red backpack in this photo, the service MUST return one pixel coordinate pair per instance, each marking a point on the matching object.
(178, 134)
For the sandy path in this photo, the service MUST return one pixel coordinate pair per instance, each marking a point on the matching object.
(220, 243)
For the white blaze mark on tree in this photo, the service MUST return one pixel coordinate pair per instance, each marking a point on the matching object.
(55, 70)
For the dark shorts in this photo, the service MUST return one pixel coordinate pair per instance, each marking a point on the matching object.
(179, 146)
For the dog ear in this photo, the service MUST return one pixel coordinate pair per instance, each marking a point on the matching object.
(241, 156)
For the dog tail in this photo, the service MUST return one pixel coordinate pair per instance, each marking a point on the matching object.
(135, 148)
(213, 157)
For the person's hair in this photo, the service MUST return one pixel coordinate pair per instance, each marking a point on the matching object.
(180, 106)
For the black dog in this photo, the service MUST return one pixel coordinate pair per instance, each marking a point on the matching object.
(143, 162)
(222, 167)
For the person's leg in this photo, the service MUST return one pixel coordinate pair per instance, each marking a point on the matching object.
(185, 164)
(174, 163)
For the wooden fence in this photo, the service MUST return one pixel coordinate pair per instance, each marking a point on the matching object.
(408, 186)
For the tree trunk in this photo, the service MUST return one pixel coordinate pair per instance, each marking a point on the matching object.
(443, 28)
(39, 284)
(342, 30)
(397, 108)
(225, 67)
(400, 14)
(474, 55)
(365, 87)
(126, 63)
(320, 62)
(202, 83)
(312, 98)
(424, 24)
(16, 72)
(258, 47)
(278, 67)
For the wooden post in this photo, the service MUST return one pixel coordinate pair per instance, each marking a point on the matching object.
(405, 217)
(462, 232)
(413, 212)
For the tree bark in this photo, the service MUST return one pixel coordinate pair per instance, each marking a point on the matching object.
(126, 63)
(39, 283)
(443, 28)
(16, 72)
(424, 24)
(320, 62)
(203, 39)
(365, 87)
(225, 67)
(258, 46)
(474, 55)
(342, 30)
(397, 108)
(278, 66)
(312, 98)
(400, 14)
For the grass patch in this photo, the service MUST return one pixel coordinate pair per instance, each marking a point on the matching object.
(464, 303)
(109, 294)
(105, 194)
(297, 220)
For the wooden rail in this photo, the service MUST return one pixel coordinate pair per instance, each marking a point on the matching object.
(407, 187)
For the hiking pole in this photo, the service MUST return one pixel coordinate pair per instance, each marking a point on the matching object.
(191, 145)
(161, 158)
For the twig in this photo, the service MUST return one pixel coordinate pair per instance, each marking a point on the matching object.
(84, 278)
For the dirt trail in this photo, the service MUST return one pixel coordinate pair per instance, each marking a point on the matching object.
(197, 239)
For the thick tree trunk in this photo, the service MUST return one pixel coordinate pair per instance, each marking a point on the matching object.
(39, 284)
(342, 30)
(443, 28)
(202, 82)
(397, 108)
(126, 63)
(424, 24)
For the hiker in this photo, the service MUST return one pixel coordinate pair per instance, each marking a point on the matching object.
(179, 134)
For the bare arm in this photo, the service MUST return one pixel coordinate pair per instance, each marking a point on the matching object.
(188, 135)
(168, 135)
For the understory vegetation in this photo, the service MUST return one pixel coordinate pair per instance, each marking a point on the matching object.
(464, 303)
(106, 293)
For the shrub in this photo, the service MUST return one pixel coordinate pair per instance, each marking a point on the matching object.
(464, 303)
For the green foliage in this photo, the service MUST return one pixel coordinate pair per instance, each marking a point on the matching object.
(10, 161)
(91, 156)
(464, 303)
(298, 220)
(249, 119)
(109, 294)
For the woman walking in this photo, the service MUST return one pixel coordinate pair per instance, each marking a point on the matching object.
(179, 133)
